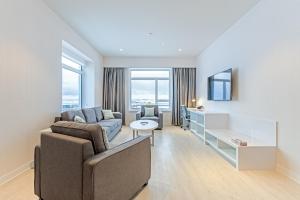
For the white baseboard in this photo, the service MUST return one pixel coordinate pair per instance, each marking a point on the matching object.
(289, 173)
(13, 174)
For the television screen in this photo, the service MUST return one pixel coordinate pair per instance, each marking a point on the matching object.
(220, 86)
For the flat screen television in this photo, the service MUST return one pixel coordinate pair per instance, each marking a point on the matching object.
(220, 86)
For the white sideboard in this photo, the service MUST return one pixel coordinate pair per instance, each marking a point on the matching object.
(218, 130)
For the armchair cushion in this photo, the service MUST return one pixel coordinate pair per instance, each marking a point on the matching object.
(92, 132)
(149, 112)
(150, 118)
(156, 112)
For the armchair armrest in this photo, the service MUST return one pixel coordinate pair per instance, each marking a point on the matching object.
(138, 115)
(37, 171)
(126, 167)
(117, 115)
(161, 120)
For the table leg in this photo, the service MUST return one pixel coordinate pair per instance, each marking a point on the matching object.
(133, 133)
(152, 137)
(137, 133)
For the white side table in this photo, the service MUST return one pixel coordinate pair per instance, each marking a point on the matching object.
(143, 125)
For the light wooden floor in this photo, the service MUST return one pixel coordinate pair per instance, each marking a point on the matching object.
(186, 169)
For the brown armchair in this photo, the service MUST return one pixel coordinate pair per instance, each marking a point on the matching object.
(75, 164)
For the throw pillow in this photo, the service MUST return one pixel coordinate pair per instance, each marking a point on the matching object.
(107, 114)
(149, 112)
(79, 119)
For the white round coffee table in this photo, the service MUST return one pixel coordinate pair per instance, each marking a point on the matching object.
(143, 125)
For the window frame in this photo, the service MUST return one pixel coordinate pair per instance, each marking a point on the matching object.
(156, 79)
(77, 71)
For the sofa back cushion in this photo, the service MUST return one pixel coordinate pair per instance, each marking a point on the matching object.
(99, 115)
(70, 115)
(92, 132)
(90, 115)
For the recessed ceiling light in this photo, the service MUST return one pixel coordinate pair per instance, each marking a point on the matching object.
(180, 50)
(121, 49)
(162, 44)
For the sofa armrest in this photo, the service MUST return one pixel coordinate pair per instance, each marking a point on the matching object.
(117, 115)
(126, 167)
(57, 119)
(138, 115)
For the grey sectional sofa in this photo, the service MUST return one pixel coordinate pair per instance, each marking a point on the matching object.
(94, 116)
(73, 163)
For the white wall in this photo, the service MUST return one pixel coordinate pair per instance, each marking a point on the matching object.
(30, 77)
(147, 62)
(264, 50)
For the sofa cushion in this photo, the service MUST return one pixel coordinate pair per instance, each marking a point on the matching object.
(99, 115)
(111, 123)
(92, 132)
(90, 115)
(69, 115)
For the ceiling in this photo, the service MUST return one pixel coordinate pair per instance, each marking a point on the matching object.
(150, 28)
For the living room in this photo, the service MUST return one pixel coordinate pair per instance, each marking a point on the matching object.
(121, 99)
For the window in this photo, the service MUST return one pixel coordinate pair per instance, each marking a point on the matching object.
(150, 86)
(71, 84)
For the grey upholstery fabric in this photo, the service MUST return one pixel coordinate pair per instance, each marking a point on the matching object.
(37, 169)
(118, 115)
(118, 173)
(150, 118)
(114, 90)
(184, 90)
(67, 169)
(111, 126)
(91, 132)
(69, 115)
(158, 115)
(61, 166)
(90, 115)
(99, 115)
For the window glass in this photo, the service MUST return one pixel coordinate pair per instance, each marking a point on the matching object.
(142, 92)
(71, 86)
(163, 93)
(150, 86)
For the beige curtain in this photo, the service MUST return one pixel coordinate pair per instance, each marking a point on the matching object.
(114, 90)
(184, 90)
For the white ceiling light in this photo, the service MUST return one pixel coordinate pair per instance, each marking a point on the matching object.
(180, 50)
(121, 50)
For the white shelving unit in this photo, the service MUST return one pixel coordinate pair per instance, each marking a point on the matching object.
(197, 124)
(218, 129)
